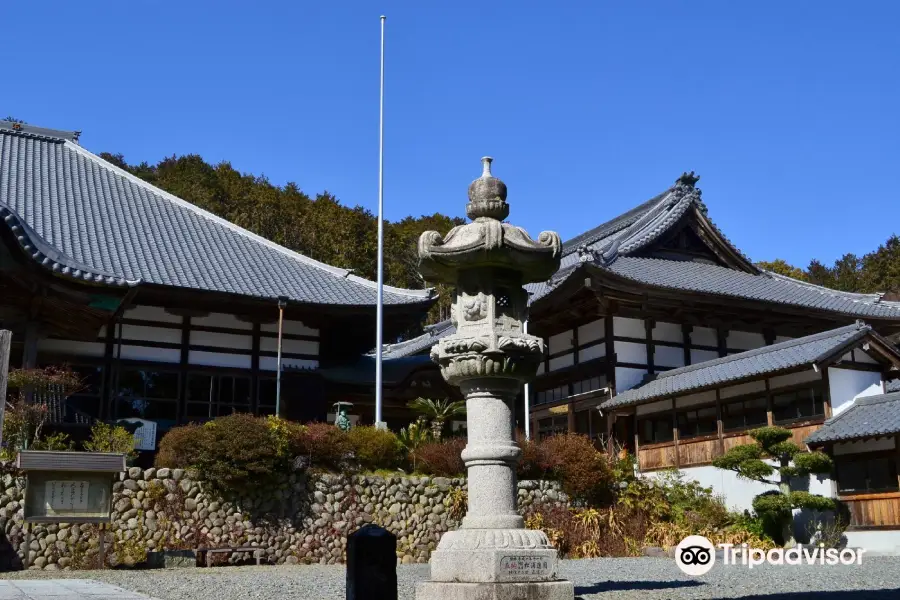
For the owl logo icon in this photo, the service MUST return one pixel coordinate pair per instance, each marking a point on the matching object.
(695, 555)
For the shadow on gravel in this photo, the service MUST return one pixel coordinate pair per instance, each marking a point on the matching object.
(837, 595)
(624, 586)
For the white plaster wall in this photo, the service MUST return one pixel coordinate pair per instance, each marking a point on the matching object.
(884, 443)
(223, 320)
(151, 313)
(846, 385)
(704, 336)
(591, 331)
(560, 342)
(631, 352)
(219, 359)
(653, 407)
(667, 356)
(860, 355)
(745, 340)
(151, 334)
(668, 332)
(627, 378)
(169, 355)
(221, 340)
(268, 344)
(292, 327)
(875, 542)
(751, 387)
(794, 379)
(699, 356)
(561, 362)
(592, 352)
(626, 327)
(738, 493)
(695, 399)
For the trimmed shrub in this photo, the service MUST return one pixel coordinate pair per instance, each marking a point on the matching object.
(529, 466)
(111, 438)
(374, 448)
(325, 446)
(586, 475)
(238, 452)
(179, 447)
(441, 459)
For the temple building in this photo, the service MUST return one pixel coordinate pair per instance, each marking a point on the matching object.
(662, 338)
(170, 313)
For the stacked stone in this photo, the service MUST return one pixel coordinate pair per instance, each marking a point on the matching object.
(306, 520)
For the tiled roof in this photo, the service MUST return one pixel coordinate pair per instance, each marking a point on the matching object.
(418, 344)
(869, 416)
(80, 216)
(394, 371)
(892, 385)
(809, 350)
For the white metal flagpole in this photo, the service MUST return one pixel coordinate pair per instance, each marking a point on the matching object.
(527, 395)
(379, 314)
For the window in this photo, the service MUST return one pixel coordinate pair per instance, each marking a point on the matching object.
(85, 403)
(266, 396)
(805, 403)
(579, 387)
(553, 425)
(146, 394)
(211, 396)
(745, 414)
(656, 428)
(697, 422)
(865, 473)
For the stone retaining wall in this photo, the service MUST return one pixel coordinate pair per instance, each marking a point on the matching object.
(306, 520)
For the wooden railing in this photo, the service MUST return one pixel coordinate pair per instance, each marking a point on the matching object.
(873, 510)
(695, 452)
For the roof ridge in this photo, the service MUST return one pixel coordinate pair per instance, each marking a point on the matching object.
(876, 399)
(336, 271)
(766, 349)
(26, 130)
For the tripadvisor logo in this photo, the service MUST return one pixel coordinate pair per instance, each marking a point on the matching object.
(696, 555)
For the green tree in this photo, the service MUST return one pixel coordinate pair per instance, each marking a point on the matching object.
(438, 412)
(782, 267)
(775, 507)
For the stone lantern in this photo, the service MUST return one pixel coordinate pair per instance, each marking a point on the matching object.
(492, 555)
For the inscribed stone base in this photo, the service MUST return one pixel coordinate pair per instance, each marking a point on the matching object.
(494, 565)
(544, 590)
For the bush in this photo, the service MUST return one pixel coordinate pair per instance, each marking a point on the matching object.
(529, 466)
(179, 447)
(325, 446)
(586, 475)
(111, 438)
(441, 459)
(239, 452)
(374, 448)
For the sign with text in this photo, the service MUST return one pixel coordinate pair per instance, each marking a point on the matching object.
(66, 495)
(145, 436)
(59, 496)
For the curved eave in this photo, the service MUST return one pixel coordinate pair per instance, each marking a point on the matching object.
(36, 249)
(574, 281)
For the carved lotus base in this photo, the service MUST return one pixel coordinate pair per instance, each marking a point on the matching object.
(489, 356)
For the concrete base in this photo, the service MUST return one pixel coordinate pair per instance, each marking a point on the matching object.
(545, 590)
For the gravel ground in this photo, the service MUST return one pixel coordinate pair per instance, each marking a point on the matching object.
(620, 578)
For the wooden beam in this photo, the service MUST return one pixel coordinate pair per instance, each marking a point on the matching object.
(686, 330)
(827, 393)
(648, 329)
(675, 432)
(770, 415)
(720, 425)
(609, 334)
(5, 345)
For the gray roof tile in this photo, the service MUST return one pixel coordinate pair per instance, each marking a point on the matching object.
(81, 216)
(791, 354)
(870, 416)
(892, 385)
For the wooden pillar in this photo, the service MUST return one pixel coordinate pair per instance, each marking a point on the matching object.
(570, 413)
(609, 340)
(826, 392)
(897, 456)
(5, 345)
(770, 413)
(686, 335)
(32, 334)
(648, 329)
(183, 363)
(720, 424)
(637, 437)
(675, 432)
(254, 369)
(610, 428)
(107, 386)
(722, 339)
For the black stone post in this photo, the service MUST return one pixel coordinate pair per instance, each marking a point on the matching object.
(371, 564)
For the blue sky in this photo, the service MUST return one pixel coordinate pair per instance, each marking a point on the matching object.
(787, 110)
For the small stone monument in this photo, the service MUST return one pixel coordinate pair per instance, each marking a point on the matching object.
(492, 555)
(371, 564)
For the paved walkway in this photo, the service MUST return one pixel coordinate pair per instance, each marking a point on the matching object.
(64, 589)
